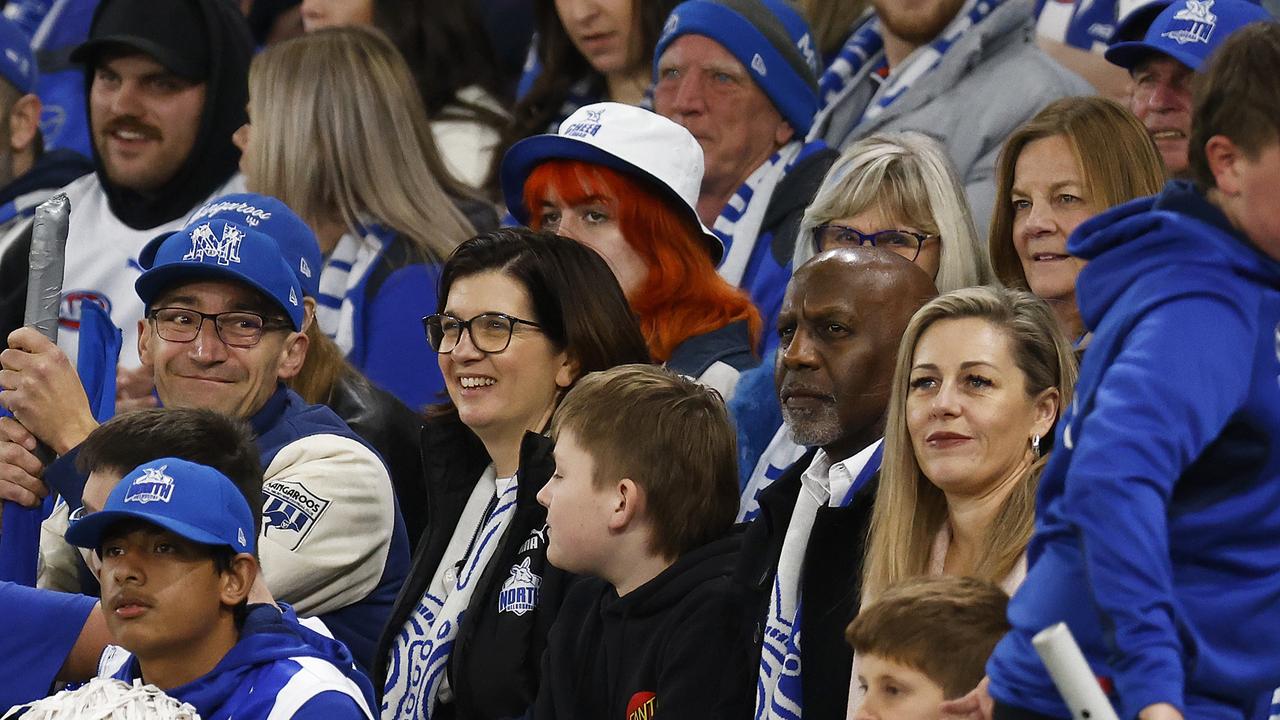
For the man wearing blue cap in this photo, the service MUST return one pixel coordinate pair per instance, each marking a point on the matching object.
(176, 541)
(964, 72)
(224, 315)
(740, 75)
(28, 174)
(1164, 59)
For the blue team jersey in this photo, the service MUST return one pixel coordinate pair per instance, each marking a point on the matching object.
(33, 647)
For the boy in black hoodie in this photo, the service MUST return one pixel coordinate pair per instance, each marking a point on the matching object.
(644, 494)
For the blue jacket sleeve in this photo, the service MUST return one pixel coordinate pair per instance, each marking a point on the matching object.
(397, 357)
(331, 705)
(1162, 399)
(42, 628)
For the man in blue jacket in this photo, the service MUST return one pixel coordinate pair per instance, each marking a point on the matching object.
(1158, 519)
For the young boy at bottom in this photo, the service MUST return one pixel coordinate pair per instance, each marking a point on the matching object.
(642, 499)
(176, 544)
(923, 641)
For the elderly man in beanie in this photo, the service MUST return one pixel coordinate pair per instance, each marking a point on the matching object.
(740, 75)
(167, 88)
(28, 174)
(964, 72)
(1162, 53)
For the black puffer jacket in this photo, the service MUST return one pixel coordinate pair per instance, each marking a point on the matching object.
(496, 660)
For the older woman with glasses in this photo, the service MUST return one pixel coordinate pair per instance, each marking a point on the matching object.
(521, 316)
(897, 192)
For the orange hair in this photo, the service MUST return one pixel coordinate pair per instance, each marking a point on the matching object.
(682, 296)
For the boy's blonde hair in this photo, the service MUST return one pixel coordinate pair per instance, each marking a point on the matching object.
(944, 627)
(669, 435)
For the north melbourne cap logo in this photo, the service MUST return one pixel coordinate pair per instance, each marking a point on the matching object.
(206, 244)
(1202, 22)
(153, 486)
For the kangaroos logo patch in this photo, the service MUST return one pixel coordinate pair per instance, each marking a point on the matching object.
(290, 511)
(520, 592)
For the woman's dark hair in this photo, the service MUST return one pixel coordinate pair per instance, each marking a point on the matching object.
(447, 48)
(563, 66)
(575, 296)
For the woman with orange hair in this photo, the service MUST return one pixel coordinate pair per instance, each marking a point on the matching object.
(624, 182)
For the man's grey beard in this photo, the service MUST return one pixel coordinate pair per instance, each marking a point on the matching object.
(813, 429)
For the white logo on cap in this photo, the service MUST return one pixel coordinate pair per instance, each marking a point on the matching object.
(18, 60)
(240, 537)
(588, 128)
(153, 486)
(304, 267)
(204, 243)
(293, 297)
(673, 22)
(1202, 20)
(757, 64)
(805, 45)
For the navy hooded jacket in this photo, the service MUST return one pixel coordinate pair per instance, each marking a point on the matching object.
(278, 668)
(1158, 518)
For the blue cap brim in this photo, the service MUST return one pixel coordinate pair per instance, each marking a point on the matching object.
(154, 281)
(519, 162)
(1129, 55)
(87, 532)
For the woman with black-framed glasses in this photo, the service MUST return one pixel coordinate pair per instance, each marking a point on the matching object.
(521, 316)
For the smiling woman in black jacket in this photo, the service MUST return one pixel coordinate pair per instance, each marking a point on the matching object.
(522, 315)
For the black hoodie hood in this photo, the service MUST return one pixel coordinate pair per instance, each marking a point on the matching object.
(711, 563)
(227, 51)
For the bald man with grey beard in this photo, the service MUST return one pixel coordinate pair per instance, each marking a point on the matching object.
(842, 319)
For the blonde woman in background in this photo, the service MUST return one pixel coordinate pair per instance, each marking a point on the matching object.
(1076, 158)
(339, 133)
(897, 191)
(982, 375)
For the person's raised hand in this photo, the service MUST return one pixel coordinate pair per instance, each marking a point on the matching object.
(41, 388)
(977, 705)
(134, 389)
(20, 469)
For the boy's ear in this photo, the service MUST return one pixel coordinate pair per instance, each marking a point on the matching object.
(237, 581)
(628, 505)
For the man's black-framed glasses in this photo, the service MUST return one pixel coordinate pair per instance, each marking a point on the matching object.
(490, 332)
(903, 242)
(237, 328)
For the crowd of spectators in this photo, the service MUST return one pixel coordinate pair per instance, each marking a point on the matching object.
(639, 358)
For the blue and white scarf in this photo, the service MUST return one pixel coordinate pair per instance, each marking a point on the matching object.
(421, 651)
(342, 281)
(781, 452)
(779, 694)
(866, 45)
(739, 223)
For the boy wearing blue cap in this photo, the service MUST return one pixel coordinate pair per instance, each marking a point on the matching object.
(176, 541)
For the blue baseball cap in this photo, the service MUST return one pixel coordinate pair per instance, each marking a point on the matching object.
(1188, 31)
(223, 250)
(190, 500)
(17, 62)
(272, 218)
